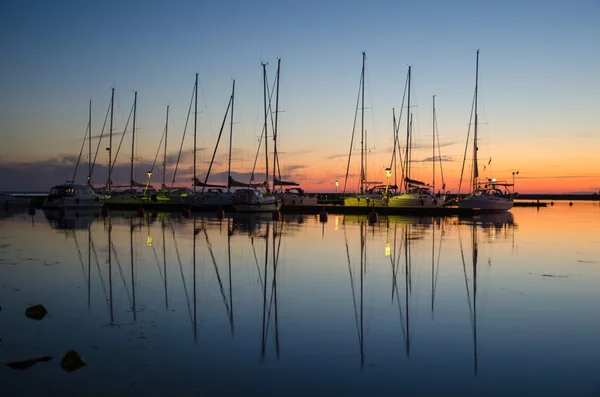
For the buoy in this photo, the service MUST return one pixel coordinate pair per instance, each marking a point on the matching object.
(186, 212)
(323, 216)
(570, 203)
(373, 217)
(276, 215)
(140, 212)
(62, 212)
(31, 210)
(104, 211)
(220, 214)
(551, 203)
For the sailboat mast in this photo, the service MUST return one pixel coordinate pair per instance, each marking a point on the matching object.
(475, 149)
(89, 178)
(165, 151)
(362, 127)
(433, 145)
(264, 65)
(230, 138)
(275, 159)
(408, 120)
(195, 126)
(133, 140)
(112, 106)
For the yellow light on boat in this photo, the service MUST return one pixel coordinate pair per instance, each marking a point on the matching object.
(149, 174)
(388, 173)
(388, 249)
(149, 241)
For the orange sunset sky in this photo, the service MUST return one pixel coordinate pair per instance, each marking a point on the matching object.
(538, 104)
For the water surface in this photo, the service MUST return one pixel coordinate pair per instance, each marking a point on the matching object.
(492, 305)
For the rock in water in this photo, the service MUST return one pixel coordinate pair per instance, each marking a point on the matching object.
(72, 361)
(28, 363)
(36, 312)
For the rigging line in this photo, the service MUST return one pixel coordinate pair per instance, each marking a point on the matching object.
(265, 330)
(394, 267)
(275, 267)
(353, 132)
(352, 284)
(214, 261)
(100, 138)
(437, 270)
(183, 136)
(162, 137)
(437, 132)
(121, 274)
(397, 128)
(122, 137)
(162, 278)
(187, 295)
(205, 106)
(217, 145)
(465, 275)
(80, 256)
(81, 151)
(467, 143)
(260, 278)
(257, 154)
(399, 259)
(100, 273)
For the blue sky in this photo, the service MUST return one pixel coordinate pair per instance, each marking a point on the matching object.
(539, 78)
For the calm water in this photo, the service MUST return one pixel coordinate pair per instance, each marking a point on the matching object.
(497, 305)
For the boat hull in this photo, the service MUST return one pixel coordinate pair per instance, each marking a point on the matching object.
(409, 200)
(364, 201)
(265, 206)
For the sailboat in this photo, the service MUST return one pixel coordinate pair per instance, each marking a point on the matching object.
(290, 192)
(490, 195)
(367, 197)
(69, 194)
(416, 194)
(211, 195)
(249, 198)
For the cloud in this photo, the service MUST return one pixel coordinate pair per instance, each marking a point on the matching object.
(336, 156)
(42, 175)
(445, 159)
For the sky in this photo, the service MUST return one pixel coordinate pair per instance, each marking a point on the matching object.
(539, 88)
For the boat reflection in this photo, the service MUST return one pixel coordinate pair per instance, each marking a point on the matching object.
(472, 300)
(72, 219)
(358, 307)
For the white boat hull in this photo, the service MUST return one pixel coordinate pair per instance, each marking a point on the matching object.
(73, 203)
(258, 206)
(252, 200)
(72, 196)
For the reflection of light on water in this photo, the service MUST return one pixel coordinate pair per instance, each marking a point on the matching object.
(149, 241)
(388, 249)
(336, 223)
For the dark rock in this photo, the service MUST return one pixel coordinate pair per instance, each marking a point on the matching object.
(28, 363)
(72, 361)
(36, 312)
